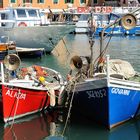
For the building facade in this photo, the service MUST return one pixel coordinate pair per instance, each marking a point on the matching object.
(63, 4)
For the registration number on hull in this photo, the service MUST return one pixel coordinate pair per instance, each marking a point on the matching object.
(96, 93)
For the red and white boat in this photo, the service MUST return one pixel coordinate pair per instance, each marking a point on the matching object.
(25, 91)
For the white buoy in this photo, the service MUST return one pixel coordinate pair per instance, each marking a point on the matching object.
(61, 96)
(52, 97)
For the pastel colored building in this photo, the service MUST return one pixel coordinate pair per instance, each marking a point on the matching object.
(64, 4)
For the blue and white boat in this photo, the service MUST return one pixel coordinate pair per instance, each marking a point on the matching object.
(104, 19)
(108, 99)
(107, 91)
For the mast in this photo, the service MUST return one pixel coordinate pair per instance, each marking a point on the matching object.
(91, 42)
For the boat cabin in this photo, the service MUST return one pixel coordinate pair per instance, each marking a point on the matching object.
(22, 16)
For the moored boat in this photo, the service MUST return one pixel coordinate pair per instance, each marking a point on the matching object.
(108, 99)
(30, 52)
(5, 48)
(28, 90)
(105, 90)
(103, 16)
(31, 28)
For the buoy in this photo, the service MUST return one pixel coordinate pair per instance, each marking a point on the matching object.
(22, 24)
(52, 97)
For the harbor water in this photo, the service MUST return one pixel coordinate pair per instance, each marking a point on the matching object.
(51, 126)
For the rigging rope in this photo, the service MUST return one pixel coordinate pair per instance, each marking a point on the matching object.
(104, 50)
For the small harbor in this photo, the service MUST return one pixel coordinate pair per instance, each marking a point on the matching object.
(66, 85)
(52, 125)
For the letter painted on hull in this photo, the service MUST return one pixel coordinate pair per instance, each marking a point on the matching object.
(120, 91)
(96, 93)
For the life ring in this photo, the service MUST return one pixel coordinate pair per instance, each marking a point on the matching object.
(109, 9)
(22, 24)
(97, 9)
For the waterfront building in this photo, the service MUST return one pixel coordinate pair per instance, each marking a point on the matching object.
(64, 4)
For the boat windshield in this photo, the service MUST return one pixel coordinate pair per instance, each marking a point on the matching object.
(84, 17)
(32, 13)
(21, 13)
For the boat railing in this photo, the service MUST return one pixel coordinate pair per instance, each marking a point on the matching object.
(7, 24)
(123, 9)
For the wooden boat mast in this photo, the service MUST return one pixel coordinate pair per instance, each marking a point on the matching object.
(128, 22)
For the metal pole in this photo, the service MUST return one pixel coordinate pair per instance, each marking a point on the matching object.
(91, 42)
(2, 72)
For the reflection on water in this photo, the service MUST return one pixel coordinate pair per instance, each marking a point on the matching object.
(35, 127)
(120, 47)
(84, 129)
(48, 126)
(125, 47)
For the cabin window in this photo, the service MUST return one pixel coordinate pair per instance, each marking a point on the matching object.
(3, 17)
(13, 1)
(82, 1)
(69, 1)
(55, 1)
(32, 13)
(84, 17)
(40, 1)
(21, 13)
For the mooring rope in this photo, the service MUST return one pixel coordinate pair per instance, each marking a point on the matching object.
(70, 106)
(14, 113)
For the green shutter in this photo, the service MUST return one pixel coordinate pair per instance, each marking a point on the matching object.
(13, 1)
(72, 1)
(41, 1)
(55, 1)
(82, 1)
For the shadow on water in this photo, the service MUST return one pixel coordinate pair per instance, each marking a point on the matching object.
(83, 129)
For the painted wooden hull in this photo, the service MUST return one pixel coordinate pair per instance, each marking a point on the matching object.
(17, 102)
(30, 52)
(107, 104)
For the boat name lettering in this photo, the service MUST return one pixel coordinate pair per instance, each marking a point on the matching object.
(96, 93)
(16, 94)
(120, 91)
